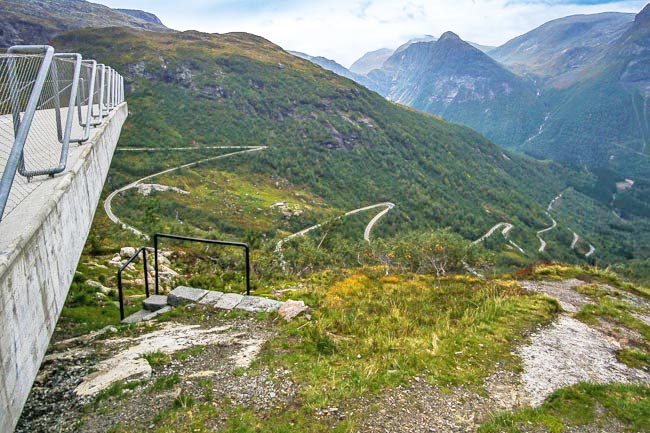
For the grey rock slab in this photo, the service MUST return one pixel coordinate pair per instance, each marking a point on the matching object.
(228, 301)
(154, 302)
(156, 313)
(291, 309)
(256, 304)
(136, 317)
(144, 315)
(211, 298)
(182, 295)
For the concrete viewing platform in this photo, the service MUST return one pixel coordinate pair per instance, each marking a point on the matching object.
(41, 239)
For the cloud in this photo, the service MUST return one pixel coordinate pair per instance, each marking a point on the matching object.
(346, 29)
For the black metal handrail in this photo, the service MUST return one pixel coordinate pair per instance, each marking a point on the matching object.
(142, 250)
(205, 241)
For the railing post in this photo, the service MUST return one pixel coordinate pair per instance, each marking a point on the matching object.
(146, 274)
(248, 272)
(155, 258)
(119, 292)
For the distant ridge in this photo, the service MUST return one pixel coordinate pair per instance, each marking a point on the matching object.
(144, 16)
(39, 21)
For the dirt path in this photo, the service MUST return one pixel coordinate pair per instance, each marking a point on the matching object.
(569, 351)
(111, 196)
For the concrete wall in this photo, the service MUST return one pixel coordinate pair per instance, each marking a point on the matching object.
(38, 263)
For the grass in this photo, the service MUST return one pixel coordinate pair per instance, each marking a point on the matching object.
(157, 359)
(635, 358)
(613, 310)
(559, 271)
(166, 382)
(370, 332)
(182, 355)
(582, 404)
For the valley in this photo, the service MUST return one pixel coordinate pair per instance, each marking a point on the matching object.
(459, 234)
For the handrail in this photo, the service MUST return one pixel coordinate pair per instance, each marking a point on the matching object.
(21, 126)
(206, 241)
(142, 250)
(34, 78)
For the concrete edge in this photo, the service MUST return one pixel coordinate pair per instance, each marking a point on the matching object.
(15, 248)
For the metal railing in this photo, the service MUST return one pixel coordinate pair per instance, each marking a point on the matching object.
(40, 90)
(204, 241)
(120, 291)
(143, 250)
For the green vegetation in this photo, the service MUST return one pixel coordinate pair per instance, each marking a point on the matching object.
(165, 382)
(157, 359)
(610, 407)
(368, 150)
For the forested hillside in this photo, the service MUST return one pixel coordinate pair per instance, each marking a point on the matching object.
(328, 138)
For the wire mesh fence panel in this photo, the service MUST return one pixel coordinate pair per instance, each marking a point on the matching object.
(45, 150)
(17, 80)
(98, 96)
(47, 101)
(85, 98)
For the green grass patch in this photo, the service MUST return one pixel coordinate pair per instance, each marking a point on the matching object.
(557, 271)
(372, 331)
(157, 359)
(166, 382)
(182, 355)
(635, 358)
(582, 404)
(613, 310)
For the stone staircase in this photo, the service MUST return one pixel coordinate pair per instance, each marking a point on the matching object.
(155, 305)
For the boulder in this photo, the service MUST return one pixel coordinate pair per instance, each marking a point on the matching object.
(127, 252)
(291, 309)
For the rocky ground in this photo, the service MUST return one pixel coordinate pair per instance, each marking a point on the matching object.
(64, 397)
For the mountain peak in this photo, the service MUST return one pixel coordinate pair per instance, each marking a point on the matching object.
(451, 36)
(643, 17)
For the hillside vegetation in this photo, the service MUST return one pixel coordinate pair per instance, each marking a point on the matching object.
(337, 142)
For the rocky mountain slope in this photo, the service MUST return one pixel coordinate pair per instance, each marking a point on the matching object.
(371, 60)
(603, 120)
(560, 50)
(38, 21)
(452, 79)
(337, 68)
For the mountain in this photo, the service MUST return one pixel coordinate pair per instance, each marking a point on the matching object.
(142, 15)
(562, 49)
(332, 144)
(604, 121)
(450, 78)
(375, 59)
(38, 21)
(337, 68)
(371, 60)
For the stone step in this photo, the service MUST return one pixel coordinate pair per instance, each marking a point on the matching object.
(154, 302)
(144, 315)
(182, 295)
(155, 305)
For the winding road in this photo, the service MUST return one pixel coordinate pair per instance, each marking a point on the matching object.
(575, 240)
(366, 234)
(542, 242)
(111, 196)
(506, 229)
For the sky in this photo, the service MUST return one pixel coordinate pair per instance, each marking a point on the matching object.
(344, 30)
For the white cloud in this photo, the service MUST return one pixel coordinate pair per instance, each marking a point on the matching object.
(344, 30)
